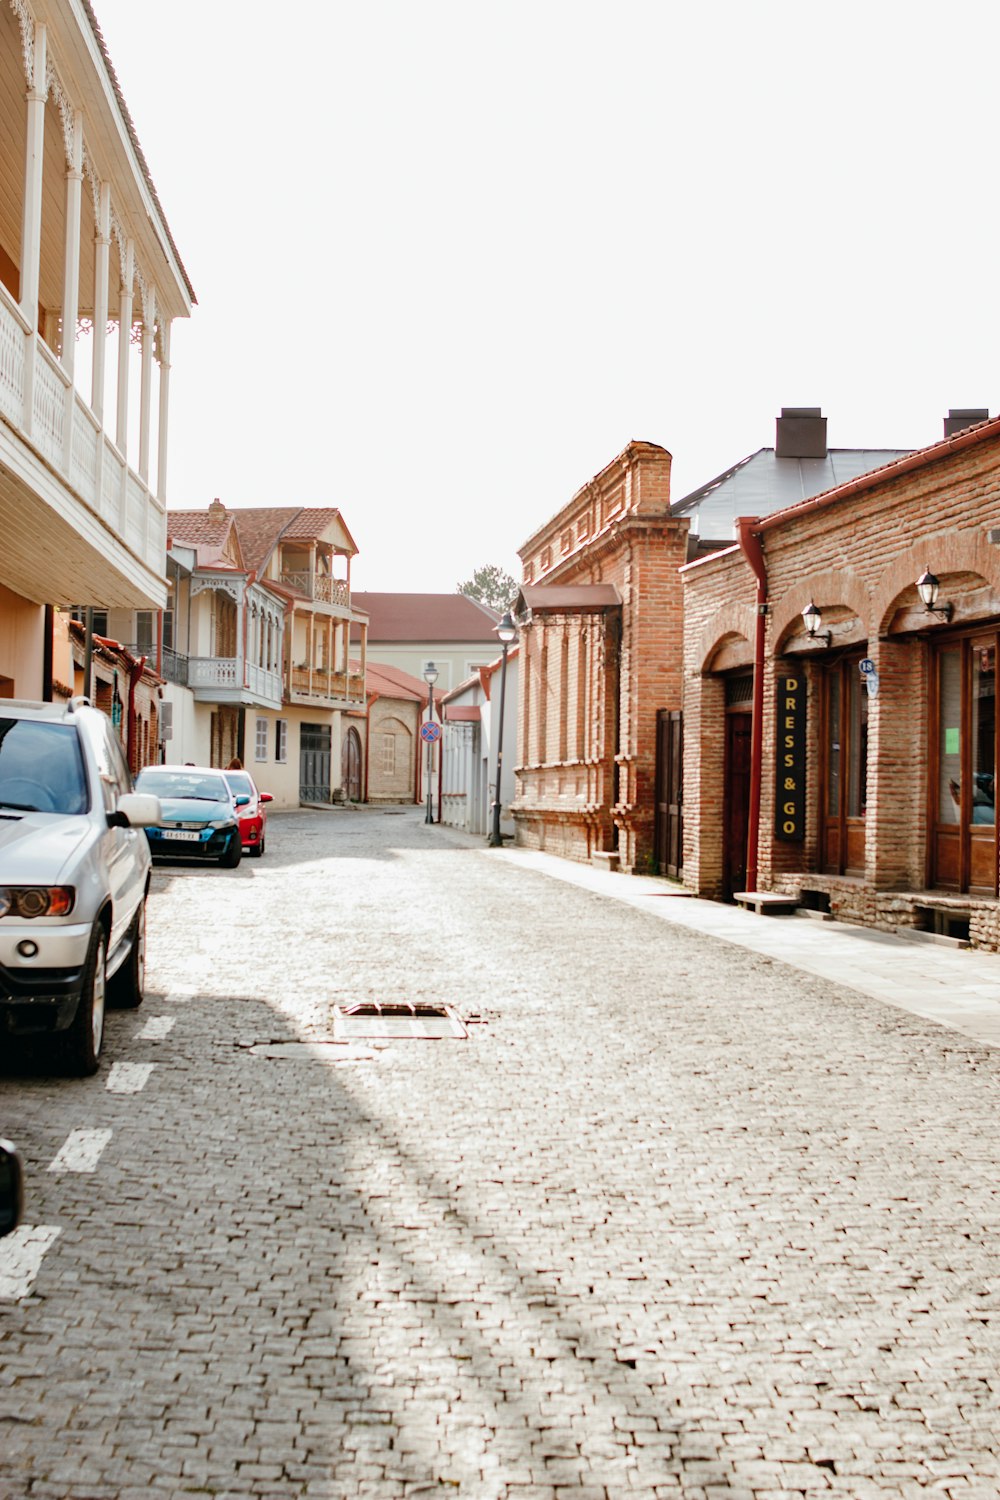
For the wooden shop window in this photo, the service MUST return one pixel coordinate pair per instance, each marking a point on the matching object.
(843, 768)
(962, 783)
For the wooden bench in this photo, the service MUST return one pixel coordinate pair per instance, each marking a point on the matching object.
(765, 901)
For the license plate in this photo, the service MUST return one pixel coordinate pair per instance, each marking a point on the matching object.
(181, 833)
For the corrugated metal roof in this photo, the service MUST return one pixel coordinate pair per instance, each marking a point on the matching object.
(763, 482)
(581, 598)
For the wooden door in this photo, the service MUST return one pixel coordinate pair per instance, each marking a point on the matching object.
(736, 803)
(350, 765)
(668, 837)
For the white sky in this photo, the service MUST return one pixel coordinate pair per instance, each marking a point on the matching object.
(451, 256)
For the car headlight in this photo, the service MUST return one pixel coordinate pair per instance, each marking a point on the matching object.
(222, 823)
(36, 900)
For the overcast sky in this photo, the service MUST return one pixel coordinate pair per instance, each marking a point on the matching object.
(452, 256)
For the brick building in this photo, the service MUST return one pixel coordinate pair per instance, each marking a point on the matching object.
(860, 776)
(600, 659)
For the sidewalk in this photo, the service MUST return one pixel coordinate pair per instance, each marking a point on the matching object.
(958, 988)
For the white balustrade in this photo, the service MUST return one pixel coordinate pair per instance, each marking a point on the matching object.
(69, 436)
(48, 406)
(12, 334)
(212, 672)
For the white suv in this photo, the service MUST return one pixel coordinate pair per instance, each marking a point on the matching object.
(74, 876)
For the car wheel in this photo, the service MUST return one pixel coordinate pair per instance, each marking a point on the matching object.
(256, 850)
(234, 853)
(81, 1047)
(128, 985)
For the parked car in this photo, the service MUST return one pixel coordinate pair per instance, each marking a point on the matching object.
(200, 814)
(11, 1189)
(74, 876)
(253, 816)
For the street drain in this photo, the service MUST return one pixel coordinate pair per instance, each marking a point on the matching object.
(328, 1052)
(397, 1018)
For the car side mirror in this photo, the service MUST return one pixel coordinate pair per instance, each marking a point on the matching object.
(242, 801)
(136, 810)
(266, 797)
(11, 1189)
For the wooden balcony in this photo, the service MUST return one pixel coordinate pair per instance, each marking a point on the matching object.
(320, 588)
(326, 688)
(82, 480)
(226, 679)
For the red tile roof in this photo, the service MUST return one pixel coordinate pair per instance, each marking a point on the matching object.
(426, 617)
(391, 682)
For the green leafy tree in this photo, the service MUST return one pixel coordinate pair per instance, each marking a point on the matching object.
(491, 586)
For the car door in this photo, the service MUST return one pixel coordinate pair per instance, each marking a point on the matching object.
(126, 849)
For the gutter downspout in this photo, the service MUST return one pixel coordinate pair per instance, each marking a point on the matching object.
(749, 543)
(135, 672)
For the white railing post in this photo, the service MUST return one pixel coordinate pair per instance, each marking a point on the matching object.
(71, 276)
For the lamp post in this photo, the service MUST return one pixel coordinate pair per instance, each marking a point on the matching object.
(507, 632)
(430, 677)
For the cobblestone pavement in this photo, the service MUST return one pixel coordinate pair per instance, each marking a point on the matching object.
(677, 1220)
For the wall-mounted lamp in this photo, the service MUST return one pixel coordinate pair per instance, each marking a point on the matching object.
(928, 588)
(813, 620)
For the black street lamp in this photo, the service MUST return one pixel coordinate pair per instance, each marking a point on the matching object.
(507, 631)
(430, 677)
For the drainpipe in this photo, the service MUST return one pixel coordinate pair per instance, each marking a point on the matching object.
(368, 736)
(135, 672)
(750, 546)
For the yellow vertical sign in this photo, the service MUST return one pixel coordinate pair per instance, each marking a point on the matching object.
(790, 760)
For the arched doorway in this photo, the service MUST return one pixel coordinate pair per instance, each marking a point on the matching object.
(350, 765)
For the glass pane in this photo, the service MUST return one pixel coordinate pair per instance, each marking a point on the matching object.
(857, 792)
(983, 730)
(949, 741)
(833, 744)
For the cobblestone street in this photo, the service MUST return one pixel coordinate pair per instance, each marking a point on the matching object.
(676, 1220)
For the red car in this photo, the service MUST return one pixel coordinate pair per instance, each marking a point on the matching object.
(253, 816)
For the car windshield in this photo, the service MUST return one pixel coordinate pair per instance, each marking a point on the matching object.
(195, 785)
(239, 783)
(41, 768)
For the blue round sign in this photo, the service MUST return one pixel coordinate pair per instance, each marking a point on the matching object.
(866, 666)
(430, 732)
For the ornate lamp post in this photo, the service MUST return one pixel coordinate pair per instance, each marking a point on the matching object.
(430, 677)
(507, 631)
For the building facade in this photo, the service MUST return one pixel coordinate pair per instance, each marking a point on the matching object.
(841, 735)
(600, 658)
(256, 645)
(469, 745)
(90, 285)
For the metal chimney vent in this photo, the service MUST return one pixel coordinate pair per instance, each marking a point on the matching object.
(800, 433)
(960, 417)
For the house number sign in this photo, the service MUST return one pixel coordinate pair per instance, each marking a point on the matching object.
(790, 788)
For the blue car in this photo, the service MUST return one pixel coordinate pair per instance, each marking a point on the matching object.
(199, 818)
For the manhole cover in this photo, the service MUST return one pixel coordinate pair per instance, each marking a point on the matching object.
(396, 1018)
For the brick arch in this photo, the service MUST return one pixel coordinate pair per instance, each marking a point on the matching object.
(944, 552)
(840, 587)
(732, 619)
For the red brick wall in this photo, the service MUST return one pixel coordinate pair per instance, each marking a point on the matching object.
(616, 530)
(858, 558)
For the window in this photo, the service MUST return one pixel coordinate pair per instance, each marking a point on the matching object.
(145, 631)
(388, 754)
(260, 740)
(79, 613)
(281, 741)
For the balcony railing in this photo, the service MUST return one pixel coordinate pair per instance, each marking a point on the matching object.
(68, 435)
(323, 685)
(228, 675)
(173, 665)
(320, 587)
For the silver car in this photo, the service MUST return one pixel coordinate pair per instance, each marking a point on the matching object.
(74, 876)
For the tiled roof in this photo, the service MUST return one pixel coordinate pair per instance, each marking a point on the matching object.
(391, 682)
(205, 530)
(427, 617)
(260, 527)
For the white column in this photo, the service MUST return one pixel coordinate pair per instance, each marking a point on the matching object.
(124, 343)
(102, 264)
(31, 223)
(145, 404)
(161, 440)
(71, 261)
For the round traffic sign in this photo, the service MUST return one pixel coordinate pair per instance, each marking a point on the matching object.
(430, 732)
